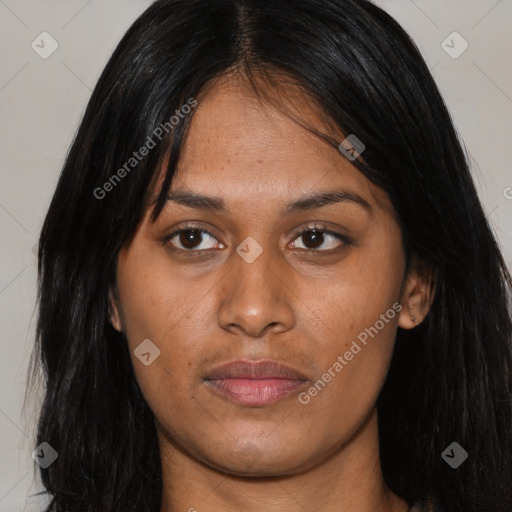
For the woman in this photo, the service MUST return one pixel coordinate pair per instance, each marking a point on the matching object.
(266, 280)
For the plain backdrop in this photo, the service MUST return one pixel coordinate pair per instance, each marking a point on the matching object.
(42, 101)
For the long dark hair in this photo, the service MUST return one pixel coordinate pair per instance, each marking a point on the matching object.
(450, 379)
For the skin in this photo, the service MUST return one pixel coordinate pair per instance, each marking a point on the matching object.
(293, 304)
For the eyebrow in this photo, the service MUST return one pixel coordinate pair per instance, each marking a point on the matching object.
(311, 202)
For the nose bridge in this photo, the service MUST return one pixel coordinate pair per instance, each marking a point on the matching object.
(256, 296)
(254, 267)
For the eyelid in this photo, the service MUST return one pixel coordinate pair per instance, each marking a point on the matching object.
(317, 226)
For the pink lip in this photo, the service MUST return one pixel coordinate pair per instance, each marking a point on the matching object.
(253, 383)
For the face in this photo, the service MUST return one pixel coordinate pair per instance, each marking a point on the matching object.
(261, 273)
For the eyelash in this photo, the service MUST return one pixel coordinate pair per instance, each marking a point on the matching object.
(315, 227)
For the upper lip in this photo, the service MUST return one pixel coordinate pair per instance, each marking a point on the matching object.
(263, 369)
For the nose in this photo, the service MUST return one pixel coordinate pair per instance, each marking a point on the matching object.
(256, 298)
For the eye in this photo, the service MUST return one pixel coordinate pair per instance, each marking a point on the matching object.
(191, 239)
(318, 239)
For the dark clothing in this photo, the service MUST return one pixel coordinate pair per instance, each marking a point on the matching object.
(424, 507)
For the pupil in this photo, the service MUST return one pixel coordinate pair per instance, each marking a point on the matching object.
(193, 238)
(315, 239)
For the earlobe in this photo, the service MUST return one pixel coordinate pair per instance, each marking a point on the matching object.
(113, 312)
(416, 300)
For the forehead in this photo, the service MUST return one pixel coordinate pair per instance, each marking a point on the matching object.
(233, 126)
(246, 146)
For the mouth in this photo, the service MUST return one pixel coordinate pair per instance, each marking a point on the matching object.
(254, 383)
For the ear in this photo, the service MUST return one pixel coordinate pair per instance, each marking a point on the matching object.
(417, 296)
(113, 311)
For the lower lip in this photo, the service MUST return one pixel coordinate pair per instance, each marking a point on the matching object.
(255, 392)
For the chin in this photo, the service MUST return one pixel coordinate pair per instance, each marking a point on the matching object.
(251, 462)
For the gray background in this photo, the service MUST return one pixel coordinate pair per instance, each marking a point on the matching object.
(41, 103)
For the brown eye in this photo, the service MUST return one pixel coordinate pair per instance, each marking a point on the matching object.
(313, 239)
(192, 239)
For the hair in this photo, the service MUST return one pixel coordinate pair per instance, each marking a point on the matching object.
(450, 379)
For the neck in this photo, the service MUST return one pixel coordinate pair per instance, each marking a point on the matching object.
(348, 479)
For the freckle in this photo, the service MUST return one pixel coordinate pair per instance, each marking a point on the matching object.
(260, 161)
(351, 326)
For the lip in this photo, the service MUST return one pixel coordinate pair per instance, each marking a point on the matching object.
(254, 383)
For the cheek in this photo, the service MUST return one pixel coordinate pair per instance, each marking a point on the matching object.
(155, 298)
(359, 317)
(354, 362)
(354, 299)
(171, 310)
